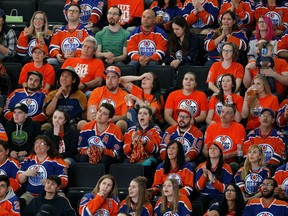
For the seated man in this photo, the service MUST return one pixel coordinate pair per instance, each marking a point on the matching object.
(67, 96)
(101, 140)
(32, 96)
(60, 203)
(89, 69)
(9, 203)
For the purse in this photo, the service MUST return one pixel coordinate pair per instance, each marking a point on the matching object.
(14, 18)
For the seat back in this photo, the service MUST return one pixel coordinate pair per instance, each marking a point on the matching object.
(54, 11)
(201, 76)
(123, 174)
(24, 8)
(128, 70)
(85, 174)
(13, 70)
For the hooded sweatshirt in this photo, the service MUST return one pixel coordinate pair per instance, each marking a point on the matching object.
(21, 136)
(10, 205)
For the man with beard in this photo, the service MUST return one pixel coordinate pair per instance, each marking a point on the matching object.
(228, 132)
(111, 93)
(32, 96)
(112, 40)
(89, 69)
(184, 132)
(267, 204)
(271, 140)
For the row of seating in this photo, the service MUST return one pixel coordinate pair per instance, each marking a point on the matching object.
(84, 176)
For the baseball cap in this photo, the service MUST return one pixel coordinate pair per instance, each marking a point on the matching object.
(55, 179)
(46, 210)
(42, 47)
(268, 110)
(20, 106)
(218, 144)
(113, 69)
(187, 109)
(2, 14)
(37, 73)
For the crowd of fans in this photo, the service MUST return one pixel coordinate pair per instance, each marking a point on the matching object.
(220, 148)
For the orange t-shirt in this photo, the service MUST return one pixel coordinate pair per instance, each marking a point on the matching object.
(103, 95)
(269, 101)
(197, 100)
(216, 72)
(86, 69)
(46, 70)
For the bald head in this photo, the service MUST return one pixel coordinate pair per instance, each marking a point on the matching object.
(148, 19)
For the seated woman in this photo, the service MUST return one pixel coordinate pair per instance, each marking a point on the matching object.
(165, 11)
(39, 63)
(231, 204)
(43, 162)
(171, 202)
(8, 165)
(183, 46)
(187, 96)
(137, 202)
(227, 32)
(212, 176)
(174, 166)
(102, 199)
(201, 15)
(64, 136)
(141, 142)
(148, 95)
(227, 65)
(251, 175)
(36, 33)
(257, 97)
(264, 31)
(225, 95)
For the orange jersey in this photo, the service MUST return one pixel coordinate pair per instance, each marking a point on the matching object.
(217, 70)
(281, 67)
(103, 95)
(130, 9)
(269, 101)
(3, 134)
(228, 137)
(216, 105)
(10, 205)
(148, 99)
(46, 70)
(96, 205)
(87, 69)
(281, 120)
(197, 100)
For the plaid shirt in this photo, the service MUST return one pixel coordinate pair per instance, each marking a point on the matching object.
(9, 41)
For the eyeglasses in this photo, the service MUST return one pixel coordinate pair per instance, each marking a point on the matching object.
(39, 19)
(266, 116)
(261, 22)
(183, 117)
(113, 14)
(224, 50)
(73, 11)
(267, 185)
(40, 143)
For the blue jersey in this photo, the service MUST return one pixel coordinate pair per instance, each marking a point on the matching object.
(147, 209)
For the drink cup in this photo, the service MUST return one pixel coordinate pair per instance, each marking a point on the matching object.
(252, 92)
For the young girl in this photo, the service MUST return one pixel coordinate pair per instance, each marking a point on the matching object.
(171, 202)
(136, 203)
(228, 64)
(102, 199)
(250, 176)
(225, 95)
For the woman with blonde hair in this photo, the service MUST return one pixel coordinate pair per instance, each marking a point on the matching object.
(250, 176)
(172, 202)
(137, 202)
(257, 97)
(36, 33)
(102, 199)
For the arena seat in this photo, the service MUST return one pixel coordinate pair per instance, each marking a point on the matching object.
(201, 76)
(124, 173)
(54, 11)
(13, 70)
(82, 179)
